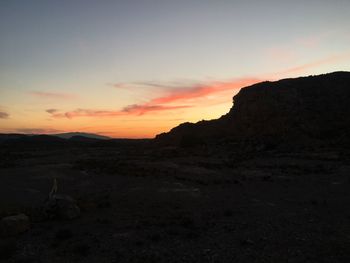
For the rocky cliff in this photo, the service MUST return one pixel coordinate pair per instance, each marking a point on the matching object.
(313, 107)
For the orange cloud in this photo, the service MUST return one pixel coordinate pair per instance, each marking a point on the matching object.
(52, 95)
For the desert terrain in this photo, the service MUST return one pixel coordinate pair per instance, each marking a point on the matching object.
(144, 203)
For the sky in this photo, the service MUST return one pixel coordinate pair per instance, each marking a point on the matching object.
(136, 68)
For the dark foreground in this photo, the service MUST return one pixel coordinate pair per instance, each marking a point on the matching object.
(141, 203)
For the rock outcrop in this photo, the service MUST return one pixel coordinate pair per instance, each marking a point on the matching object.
(305, 108)
(14, 225)
(61, 207)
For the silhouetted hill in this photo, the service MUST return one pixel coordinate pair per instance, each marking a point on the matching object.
(69, 135)
(43, 141)
(299, 109)
(34, 141)
(10, 136)
(78, 138)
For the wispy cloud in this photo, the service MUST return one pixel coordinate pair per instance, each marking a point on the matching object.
(144, 108)
(164, 85)
(313, 41)
(118, 85)
(324, 61)
(52, 95)
(51, 111)
(4, 115)
(281, 54)
(147, 84)
(135, 109)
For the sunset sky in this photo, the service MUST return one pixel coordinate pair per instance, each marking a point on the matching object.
(137, 68)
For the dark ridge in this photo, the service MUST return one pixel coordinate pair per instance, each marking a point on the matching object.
(298, 110)
(20, 141)
(79, 138)
(37, 141)
(10, 136)
(69, 135)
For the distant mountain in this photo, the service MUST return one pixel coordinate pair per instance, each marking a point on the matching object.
(11, 136)
(57, 140)
(31, 140)
(305, 108)
(4, 137)
(78, 135)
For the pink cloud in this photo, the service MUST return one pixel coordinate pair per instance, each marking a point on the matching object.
(179, 94)
(327, 60)
(200, 90)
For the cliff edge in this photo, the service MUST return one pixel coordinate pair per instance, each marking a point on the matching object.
(313, 107)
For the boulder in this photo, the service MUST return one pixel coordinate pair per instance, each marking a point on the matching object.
(14, 225)
(61, 207)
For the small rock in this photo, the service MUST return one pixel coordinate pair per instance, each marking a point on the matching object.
(63, 234)
(14, 225)
(267, 178)
(61, 207)
(82, 249)
(246, 242)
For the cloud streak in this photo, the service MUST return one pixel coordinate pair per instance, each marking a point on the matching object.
(51, 95)
(134, 109)
(317, 63)
(4, 115)
(37, 131)
(51, 111)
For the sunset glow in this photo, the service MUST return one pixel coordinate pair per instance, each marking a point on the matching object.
(133, 69)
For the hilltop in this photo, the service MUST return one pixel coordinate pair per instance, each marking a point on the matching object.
(313, 108)
(69, 135)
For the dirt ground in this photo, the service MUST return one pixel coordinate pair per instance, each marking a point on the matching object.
(141, 203)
